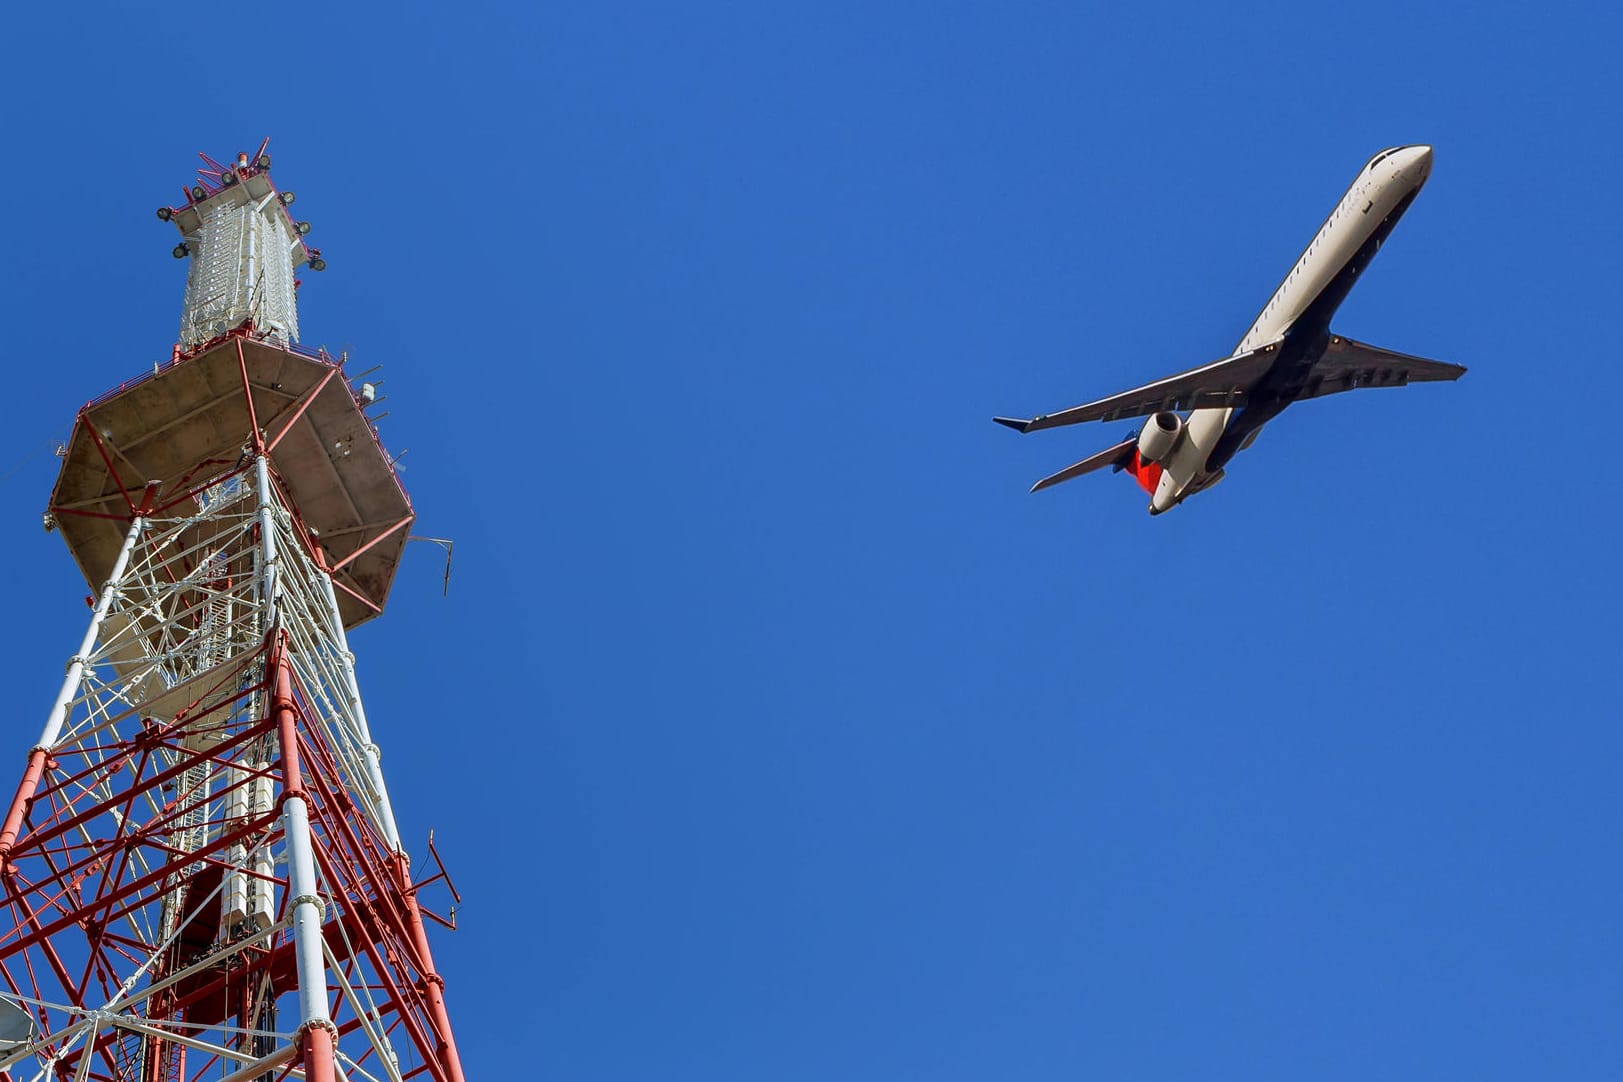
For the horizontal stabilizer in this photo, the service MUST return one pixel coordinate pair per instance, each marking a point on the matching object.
(1119, 455)
(1222, 383)
(1348, 366)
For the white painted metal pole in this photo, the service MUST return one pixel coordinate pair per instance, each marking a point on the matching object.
(306, 911)
(76, 667)
(352, 687)
(267, 542)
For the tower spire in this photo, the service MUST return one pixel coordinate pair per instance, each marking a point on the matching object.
(244, 245)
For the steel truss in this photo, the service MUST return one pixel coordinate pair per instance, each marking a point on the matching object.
(200, 869)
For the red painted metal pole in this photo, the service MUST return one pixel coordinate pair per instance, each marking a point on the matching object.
(283, 707)
(318, 1057)
(20, 802)
(433, 985)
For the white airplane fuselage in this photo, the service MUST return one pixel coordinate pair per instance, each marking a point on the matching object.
(1298, 316)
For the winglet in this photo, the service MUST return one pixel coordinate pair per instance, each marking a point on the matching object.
(1013, 422)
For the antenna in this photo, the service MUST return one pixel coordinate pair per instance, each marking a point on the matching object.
(447, 545)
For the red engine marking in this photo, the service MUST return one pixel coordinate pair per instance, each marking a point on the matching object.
(1148, 474)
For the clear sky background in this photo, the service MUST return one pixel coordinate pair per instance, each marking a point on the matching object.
(771, 729)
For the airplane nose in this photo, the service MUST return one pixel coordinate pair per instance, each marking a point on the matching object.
(1419, 161)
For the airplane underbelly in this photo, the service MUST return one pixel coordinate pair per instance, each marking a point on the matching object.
(1201, 433)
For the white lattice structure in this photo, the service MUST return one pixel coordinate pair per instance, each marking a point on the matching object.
(242, 268)
(208, 867)
(243, 247)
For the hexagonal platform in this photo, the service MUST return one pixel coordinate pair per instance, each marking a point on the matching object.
(190, 423)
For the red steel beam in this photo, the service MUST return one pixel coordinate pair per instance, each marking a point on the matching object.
(392, 530)
(248, 397)
(309, 397)
(102, 450)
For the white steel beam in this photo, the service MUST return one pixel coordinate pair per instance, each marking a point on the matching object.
(76, 667)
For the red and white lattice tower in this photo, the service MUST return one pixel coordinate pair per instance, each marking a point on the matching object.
(201, 873)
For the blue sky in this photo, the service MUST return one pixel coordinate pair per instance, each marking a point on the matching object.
(771, 729)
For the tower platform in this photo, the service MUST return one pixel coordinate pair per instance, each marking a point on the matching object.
(190, 425)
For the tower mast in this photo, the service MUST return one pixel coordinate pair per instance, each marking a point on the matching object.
(201, 875)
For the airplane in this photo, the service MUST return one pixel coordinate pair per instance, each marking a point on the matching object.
(1289, 354)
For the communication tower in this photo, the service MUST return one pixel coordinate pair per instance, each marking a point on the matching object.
(201, 876)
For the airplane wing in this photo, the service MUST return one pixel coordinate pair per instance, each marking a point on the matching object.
(1348, 365)
(1119, 455)
(1221, 383)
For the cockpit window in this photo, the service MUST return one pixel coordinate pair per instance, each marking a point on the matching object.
(1383, 154)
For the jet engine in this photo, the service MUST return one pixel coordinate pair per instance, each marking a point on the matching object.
(1160, 435)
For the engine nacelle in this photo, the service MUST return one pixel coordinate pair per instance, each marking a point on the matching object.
(1160, 435)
